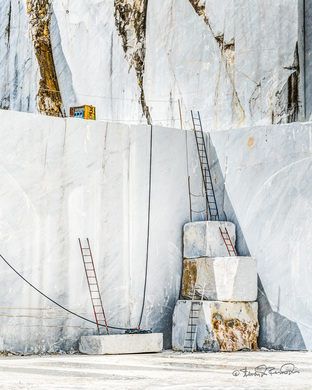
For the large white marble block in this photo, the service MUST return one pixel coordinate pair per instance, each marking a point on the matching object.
(220, 278)
(203, 239)
(121, 343)
(222, 326)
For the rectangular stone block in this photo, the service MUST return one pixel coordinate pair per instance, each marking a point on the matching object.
(220, 278)
(203, 239)
(221, 326)
(121, 343)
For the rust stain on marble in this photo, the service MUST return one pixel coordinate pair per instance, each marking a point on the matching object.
(49, 96)
(234, 334)
(130, 21)
(189, 278)
(251, 142)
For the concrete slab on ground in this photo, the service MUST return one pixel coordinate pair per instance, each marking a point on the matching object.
(121, 344)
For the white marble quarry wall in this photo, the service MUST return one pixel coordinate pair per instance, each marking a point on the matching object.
(240, 62)
(61, 179)
(67, 178)
(268, 193)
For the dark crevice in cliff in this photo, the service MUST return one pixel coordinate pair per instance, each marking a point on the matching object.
(287, 98)
(130, 20)
(293, 90)
(5, 101)
(227, 52)
(8, 28)
(49, 96)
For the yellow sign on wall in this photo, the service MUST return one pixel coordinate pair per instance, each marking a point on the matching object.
(84, 112)
(90, 112)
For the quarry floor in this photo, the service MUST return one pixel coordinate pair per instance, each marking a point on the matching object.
(167, 370)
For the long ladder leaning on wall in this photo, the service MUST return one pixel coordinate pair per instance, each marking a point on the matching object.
(211, 203)
(93, 285)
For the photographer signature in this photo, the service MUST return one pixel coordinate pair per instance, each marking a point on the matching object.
(264, 370)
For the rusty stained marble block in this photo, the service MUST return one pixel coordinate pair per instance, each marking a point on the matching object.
(220, 279)
(222, 326)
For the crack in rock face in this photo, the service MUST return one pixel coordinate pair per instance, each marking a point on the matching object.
(49, 97)
(5, 101)
(227, 52)
(130, 20)
(287, 98)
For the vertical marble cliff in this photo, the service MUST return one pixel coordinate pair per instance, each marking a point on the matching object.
(49, 96)
(239, 62)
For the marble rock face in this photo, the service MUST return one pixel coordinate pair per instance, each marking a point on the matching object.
(142, 61)
(222, 326)
(220, 278)
(121, 343)
(203, 239)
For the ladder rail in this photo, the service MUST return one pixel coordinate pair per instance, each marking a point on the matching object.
(204, 165)
(189, 344)
(93, 290)
(228, 242)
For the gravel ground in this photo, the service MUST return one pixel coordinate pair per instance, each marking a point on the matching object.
(167, 370)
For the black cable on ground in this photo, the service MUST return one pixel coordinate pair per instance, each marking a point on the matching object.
(148, 225)
(59, 305)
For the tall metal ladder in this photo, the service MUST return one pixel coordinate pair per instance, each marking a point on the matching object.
(208, 185)
(204, 165)
(228, 242)
(93, 285)
(191, 331)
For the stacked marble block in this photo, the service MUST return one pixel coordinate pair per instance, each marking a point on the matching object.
(226, 287)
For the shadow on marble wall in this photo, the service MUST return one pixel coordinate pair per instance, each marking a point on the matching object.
(276, 331)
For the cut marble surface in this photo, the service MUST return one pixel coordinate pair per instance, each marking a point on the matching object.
(121, 344)
(222, 326)
(203, 239)
(268, 195)
(220, 278)
(237, 63)
(64, 179)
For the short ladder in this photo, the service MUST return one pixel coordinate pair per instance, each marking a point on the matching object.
(191, 331)
(228, 242)
(93, 285)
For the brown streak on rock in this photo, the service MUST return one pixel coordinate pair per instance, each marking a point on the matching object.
(233, 334)
(130, 20)
(189, 277)
(49, 97)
